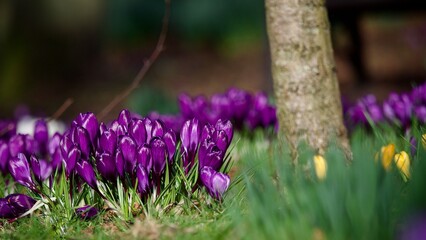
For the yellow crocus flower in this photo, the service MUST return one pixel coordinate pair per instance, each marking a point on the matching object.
(320, 167)
(424, 140)
(388, 152)
(402, 161)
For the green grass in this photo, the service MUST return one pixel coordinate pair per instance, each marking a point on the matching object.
(272, 199)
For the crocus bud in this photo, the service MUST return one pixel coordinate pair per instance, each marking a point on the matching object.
(4, 157)
(119, 163)
(81, 137)
(57, 159)
(41, 134)
(66, 145)
(190, 135)
(143, 180)
(158, 153)
(216, 183)
(148, 128)
(102, 128)
(17, 145)
(137, 131)
(128, 149)
(89, 122)
(124, 118)
(424, 141)
(71, 160)
(388, 152)
(108, 142)
(85, 171)
(41, 168)
(20, 171)
(170, 141)
(227, 127)
(6, 211)
(320, 167)
(54, 143)
(402, 161)
(86, 212)
(144, 157)
(119, 129)
(157, 128)
(20, 203)
(106, 166)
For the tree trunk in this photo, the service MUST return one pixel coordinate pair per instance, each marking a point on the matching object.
(304, 73)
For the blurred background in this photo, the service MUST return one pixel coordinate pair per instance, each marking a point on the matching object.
(91, 50)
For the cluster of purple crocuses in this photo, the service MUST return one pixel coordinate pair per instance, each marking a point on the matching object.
(398, 109)
(133, 149)
(243, 109)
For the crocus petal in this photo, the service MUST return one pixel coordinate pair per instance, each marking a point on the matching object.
(144, 157)
(71, 160)
(20, 203)
(227, 127)
(54, 142)
(137, 131)
(320, 167)
(4, 156)
(212, 159)
(41, 134)
(128, 149)
(106, 166)
(57, 159)
(143, 180)
(388, 152)
(220, 183)
(158, 153)
(124, 117)
(221, 140)
(119, 163)
(6, 210)
(66, 145)
(148, 128)
(41, 168)
(108, 141)
(206, 175)
(86, 212)
(102, 128)
(157, 128)
(80, 136)
(402, 161)
(207, 132)
(17, 145)
(170, 140)
(119, 129)
(85, 171)
(20, 171)
(89, 122)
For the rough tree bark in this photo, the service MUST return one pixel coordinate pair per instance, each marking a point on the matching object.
(304, 74)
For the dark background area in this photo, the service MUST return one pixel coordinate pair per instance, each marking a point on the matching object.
(91, 50)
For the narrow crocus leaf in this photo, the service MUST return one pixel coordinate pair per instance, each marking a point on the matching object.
(124, 117)
(170, 140)
(89, 122)
(137, 131)
(106, 166)
(85, 171)
(108, 142)
(41, 134)
(20, 171)
(69, 163)
(6, 210)
(119, 163)
(128, 149)
(86, 212)
(20, 203)
(4, 156)
(80, 136)
(143, 180)
(17, 145)
(144, 157)
(41, 168)
(158, 153)
(157, 128)
(227, 127)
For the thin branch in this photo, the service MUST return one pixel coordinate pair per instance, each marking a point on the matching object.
(62, 109)
(147, 65)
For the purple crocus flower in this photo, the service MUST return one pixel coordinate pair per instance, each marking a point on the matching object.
(157, 128)
(137, 131)
(89, 122)
(86, 212)
(71, 160)
(216, 183)
(158, 154)
(144, 157)
(6, 210)
(119, 163)
(190, 136)
(106, 166)
(210, 155)
(85, 171)
(41, 168)
(4, 156)
(227, 127)
(119, 129)
(143, 180)
(124, 118)
(54, 143)
(108, 142)
(41, 135)
(20, 171)
(128, 149)
(20, 203)
(170, 140)
(17, 145)
(240, 103)
(420, 113)
(81, 137)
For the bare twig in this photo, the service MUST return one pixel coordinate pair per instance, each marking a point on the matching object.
(62, 109)
(146, 66)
